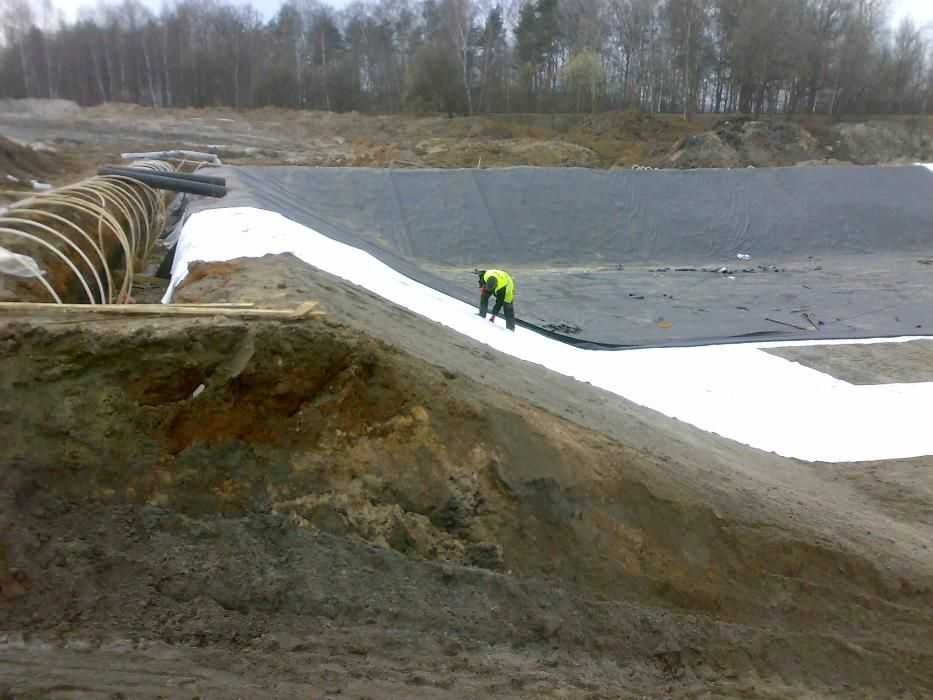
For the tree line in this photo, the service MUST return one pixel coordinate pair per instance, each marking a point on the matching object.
(476, 56)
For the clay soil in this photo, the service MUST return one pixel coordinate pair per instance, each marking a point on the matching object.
(366, 505)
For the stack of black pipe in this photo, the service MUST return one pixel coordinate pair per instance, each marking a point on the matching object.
(205, 185)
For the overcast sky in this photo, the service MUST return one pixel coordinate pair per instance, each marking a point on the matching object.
(920, 10)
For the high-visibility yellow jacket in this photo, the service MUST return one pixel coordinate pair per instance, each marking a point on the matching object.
(503, 281)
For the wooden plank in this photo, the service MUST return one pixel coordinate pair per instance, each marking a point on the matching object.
(218, 305)
(305, 310)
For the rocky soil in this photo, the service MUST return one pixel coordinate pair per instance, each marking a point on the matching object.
(748, 142)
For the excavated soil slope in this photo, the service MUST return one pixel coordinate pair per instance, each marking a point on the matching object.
(367, 505)
(19, 165)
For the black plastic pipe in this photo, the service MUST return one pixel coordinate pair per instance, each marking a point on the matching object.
(193, 177)
(165, 181)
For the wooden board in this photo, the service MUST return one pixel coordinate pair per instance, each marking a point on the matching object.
(305, 310)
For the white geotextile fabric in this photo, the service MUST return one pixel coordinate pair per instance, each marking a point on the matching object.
(736, 391)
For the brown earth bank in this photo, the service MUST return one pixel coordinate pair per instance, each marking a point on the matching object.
(368, 505)
(615, 139)
(19, 165)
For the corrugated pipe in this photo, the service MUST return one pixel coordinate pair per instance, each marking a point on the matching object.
(86, 239)
(166, 181)
(190, 177)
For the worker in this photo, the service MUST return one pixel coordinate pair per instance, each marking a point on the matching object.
(500, 284)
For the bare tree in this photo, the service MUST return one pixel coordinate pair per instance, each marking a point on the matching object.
(908, 57)
(475, 56)
(18, 19)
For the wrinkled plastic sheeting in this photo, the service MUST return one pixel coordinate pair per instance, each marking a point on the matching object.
(175, 218)
(18, 265)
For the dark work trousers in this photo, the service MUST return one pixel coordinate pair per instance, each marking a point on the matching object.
(507, 309)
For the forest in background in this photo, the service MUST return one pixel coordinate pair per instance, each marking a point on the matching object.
(476, 56)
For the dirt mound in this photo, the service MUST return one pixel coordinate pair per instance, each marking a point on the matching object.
(627, 139)
(704, 151)
(471, 153)
(283, 502)
(42, 109)
(743, 142)
(20, 165)
(632, 125)
(883, 142)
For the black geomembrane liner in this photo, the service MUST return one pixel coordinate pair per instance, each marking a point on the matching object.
(631, 258)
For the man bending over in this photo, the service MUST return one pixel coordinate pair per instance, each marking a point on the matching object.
(500, 284)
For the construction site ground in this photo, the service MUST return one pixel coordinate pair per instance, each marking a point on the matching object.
(366, 504)
(619, 139)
